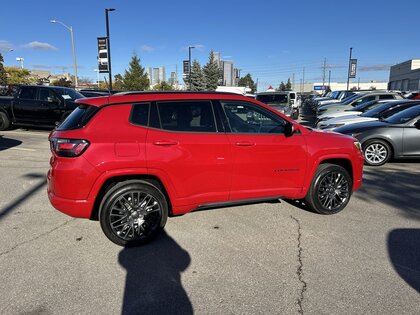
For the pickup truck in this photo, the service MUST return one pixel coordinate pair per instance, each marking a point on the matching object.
(40, 106)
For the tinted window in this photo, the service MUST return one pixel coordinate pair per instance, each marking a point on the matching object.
(44, 94)
(404, 116)
(272, 99)
(386, 97)
(78, 118)
(196, 116)
(250, 118)
(364, 100)
(140, 114)
(28, 93)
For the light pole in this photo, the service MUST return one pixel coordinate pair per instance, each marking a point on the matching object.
(108, 48)
(20, 59)
(97, 79)
(189, 66)
(348, 72)
(70, 28)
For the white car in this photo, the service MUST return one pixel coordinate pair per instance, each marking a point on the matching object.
(332, 123)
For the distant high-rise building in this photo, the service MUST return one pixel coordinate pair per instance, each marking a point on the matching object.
(174, 78)
(156, 75)
(228, 73)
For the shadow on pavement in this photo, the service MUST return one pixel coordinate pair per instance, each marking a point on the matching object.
(16, 202)
(7, 143)
(404, 253)
(398, 188)
(153, 282)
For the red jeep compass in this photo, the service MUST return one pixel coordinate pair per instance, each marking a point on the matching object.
(131, 160)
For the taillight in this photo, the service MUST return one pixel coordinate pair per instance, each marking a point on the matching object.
(68, 147)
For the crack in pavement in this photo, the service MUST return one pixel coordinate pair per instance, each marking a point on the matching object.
(36, 237)
(299, 271)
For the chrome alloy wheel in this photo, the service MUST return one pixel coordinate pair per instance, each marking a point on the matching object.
(376, 153)
(333, 190)
(135, 215)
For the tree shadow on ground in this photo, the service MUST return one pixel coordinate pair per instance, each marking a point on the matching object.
(398, 188)
(7, 143)
(404, 253)
(20, 199)
(153, 282)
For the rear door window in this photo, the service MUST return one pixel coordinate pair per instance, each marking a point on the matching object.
(195, 116)
(28, 93)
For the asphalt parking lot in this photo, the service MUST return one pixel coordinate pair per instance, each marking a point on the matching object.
(271, 258)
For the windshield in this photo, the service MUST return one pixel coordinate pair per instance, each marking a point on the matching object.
(349, 99)
(404, 116)
(271, 99)
(68, 94)
(375, 111)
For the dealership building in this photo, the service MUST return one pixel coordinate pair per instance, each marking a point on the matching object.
(405, 76)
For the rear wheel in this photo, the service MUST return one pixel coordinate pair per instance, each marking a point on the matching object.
(376, 152)
(133, 213)
(4, 121)
(330, 189)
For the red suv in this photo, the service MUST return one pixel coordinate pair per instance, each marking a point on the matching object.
(131, 160)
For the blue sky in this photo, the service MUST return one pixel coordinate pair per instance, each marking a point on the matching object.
(269, 39)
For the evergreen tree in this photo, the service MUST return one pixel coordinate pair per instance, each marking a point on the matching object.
(211, 73)
(198, 81)
(3, 76)
(288, 86)
(163, 86)
(282, 86)
(247, 81)
(135, 79)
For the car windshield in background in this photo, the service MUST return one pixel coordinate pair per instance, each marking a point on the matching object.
(404, 116)
(68, 94)
(375, 111)
(349, 99)
(272, 99)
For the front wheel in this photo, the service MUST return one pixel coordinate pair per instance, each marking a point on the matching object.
(133, 213)
(330, 189)
(376, 152)
(4, 121)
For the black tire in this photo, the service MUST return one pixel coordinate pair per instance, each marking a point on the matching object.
(330, 190)
(4, 121)
(296, 114)
(133, 213)
(376, 152)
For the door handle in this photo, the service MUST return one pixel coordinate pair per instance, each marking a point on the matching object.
(245, 144)
(165, 142)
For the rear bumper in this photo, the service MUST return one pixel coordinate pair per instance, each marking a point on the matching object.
(73, 208)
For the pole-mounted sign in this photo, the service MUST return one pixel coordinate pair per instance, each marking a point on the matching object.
(186, 67)
(353, 67)
(103, 54)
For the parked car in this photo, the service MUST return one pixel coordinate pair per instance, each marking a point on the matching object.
(356, 111)
(357, 100)
(93, 93)
(380, 112)
(37, 105)
(132, 160)
(397, 137)
(286, 102)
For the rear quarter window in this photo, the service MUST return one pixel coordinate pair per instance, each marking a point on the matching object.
(79, 117)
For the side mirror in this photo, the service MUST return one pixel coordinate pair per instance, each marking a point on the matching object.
(289, 129)
(417, 124)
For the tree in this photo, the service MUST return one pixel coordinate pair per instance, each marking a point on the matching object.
(288, 86)
(62, 82)
(3, 76)
(163, 86)
(211, 73)
(198, 81)
(18, 76)
(282, 86)
(248, 82)
(135, 79)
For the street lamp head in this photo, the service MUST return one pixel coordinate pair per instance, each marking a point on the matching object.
(110, 9)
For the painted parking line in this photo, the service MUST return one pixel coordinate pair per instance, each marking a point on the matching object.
(31, 133)
(18, 149)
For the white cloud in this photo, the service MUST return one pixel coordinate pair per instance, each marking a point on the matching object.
(39, 46)
(147, 49)
(5, 45)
